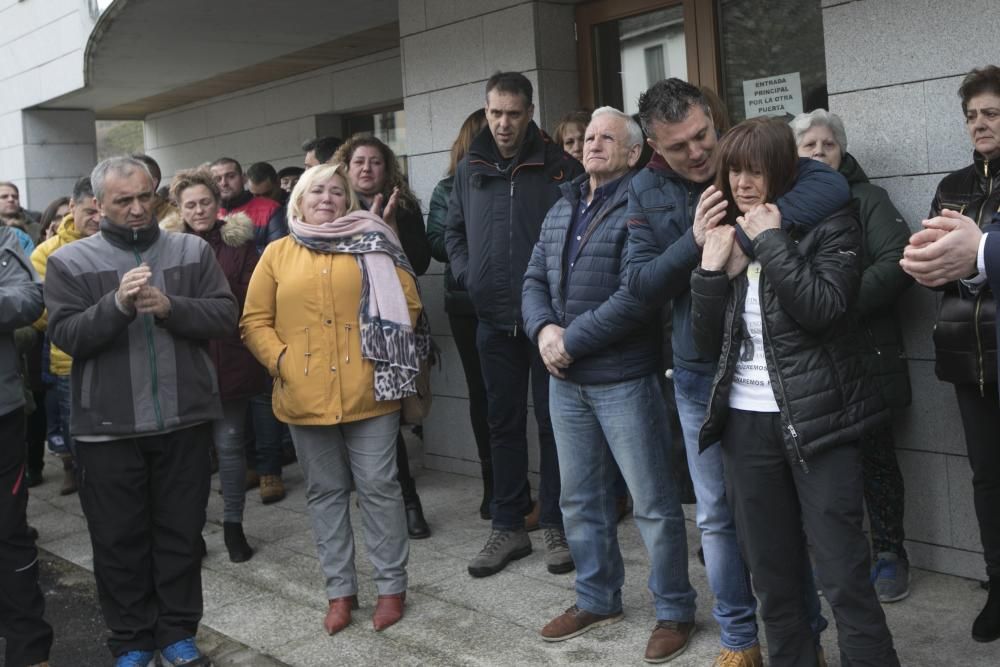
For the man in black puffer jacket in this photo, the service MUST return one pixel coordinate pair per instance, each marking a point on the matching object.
(503, 189)
(600, 344)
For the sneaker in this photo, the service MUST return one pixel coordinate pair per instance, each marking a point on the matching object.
(184, 652)
(747, 657)
(272, 489)
(558, 559)
(502, 547)
(891, 576)
(574, 622)
(135, 659)
(668, 640)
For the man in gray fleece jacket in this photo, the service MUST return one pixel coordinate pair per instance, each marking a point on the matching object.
(135, 308)
(28, 636)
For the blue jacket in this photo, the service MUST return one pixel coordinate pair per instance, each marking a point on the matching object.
(662, 252)
(494, 217)
(609, 333)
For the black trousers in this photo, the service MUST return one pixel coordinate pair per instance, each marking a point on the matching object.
(884, 491)
(35, 437)
(144, 499)
(772, 503)
(981, 421)
(463, 328)
(28, 636)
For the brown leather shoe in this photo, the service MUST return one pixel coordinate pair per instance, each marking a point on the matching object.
(531, 518)
(574, 622)
(388, 610)
(338, 616)
(272, 489)
(252, 480)
(669, 639)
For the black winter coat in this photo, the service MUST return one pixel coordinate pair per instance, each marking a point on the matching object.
(965, 332)
(814, 358)
(610, 334)
(495, 215)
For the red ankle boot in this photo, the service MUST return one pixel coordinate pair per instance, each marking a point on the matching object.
(388, 610)
(338, 616)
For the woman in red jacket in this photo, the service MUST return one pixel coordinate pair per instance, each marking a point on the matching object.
(239, 375)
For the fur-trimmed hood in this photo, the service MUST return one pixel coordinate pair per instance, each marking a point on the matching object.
(236, 229)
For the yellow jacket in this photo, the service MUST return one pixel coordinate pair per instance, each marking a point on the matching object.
(302, 309)
(60, 363)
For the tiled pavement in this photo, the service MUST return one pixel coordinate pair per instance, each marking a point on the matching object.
(274, 604)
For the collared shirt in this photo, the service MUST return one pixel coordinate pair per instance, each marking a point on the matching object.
(582, 217)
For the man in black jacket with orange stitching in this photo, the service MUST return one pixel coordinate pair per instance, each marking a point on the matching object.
(503, 189)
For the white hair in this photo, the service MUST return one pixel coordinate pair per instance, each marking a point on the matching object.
(631, 127)
(806, 121)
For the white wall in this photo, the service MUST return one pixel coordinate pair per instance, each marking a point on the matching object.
(41, 57)
(270, 122)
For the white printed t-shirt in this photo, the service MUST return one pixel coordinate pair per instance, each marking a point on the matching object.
(751, 389)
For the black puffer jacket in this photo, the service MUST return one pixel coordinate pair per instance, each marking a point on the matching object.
(814, 356)
(965, 331)
(495, 215)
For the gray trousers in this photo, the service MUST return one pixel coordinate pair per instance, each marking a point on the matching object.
(229, 434)
(330, 457)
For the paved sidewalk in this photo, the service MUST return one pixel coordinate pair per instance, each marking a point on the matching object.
(274, 604)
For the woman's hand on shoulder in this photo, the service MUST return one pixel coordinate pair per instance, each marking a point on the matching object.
(760, 218)
(718, 247)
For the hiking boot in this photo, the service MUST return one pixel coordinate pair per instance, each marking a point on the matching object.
(669, 639)
(986, 627)
(574, 622)
(183, 652)
(746, 657)
(135, 659)
(558, 559)
(502, 547)
(272, 489)
(69, 475)
(891, 576)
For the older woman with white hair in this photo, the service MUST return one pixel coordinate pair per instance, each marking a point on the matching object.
(821, 135)
(334, 314)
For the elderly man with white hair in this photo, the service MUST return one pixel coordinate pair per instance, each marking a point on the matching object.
(820, 135)
(599, 343)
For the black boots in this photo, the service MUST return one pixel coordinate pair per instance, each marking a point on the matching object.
(236, 542)
(416, 525)
(986, 627)
(485, 511)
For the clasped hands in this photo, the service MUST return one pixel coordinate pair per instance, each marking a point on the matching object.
(946, 249)
(136, 295)
(719, 249)
(552, 349)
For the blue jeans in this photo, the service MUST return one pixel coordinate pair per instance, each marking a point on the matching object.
(735, 606)
(597, 426)
(229, 434)
(508, 360)
(57, 406)
(267, 431)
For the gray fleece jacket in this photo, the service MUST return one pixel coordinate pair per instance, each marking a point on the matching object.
(20, 304)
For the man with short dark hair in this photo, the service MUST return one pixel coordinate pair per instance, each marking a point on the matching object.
(601, 347)
(135, 307)
(503, 189)
(167, 215)
(84, 220)
(14, 216)
(22, 606)
(671, 206)
(320, 150)
(262, 181)
(268, 216)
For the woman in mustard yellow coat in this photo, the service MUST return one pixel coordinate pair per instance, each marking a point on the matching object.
(334, 314)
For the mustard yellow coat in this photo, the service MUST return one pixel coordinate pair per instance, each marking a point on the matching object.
(60, 363)
(302, 309)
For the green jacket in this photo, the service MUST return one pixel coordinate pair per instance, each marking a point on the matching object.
(882, 283)
(456, 299)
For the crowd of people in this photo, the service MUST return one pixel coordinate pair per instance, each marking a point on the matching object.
(632, 271)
